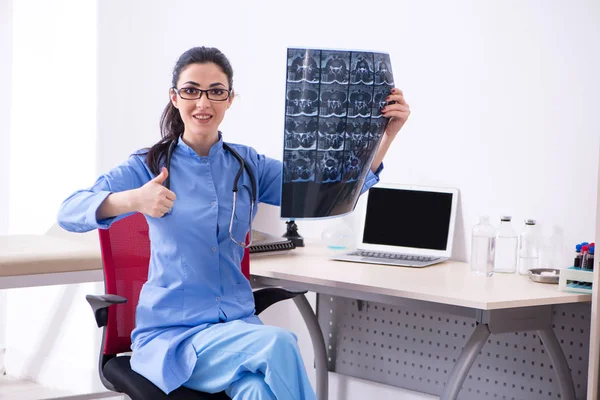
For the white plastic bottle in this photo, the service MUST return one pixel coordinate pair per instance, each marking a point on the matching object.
(552, 250)
(505, 256)
(528, 248)
(483, 240)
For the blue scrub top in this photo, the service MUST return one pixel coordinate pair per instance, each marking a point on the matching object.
(194, 277)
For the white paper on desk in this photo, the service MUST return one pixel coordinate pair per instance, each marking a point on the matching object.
(333, 127)
(260, 238)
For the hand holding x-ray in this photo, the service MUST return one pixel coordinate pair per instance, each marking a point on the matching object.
(397, 110)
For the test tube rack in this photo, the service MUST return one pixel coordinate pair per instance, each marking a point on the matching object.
(577, 280)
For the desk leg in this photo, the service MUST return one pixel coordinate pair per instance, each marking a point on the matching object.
(318, 342)
(559, 361)
(466, 359)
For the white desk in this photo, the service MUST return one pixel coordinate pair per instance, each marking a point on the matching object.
(502, 303)
(448, 283)
(41, 260)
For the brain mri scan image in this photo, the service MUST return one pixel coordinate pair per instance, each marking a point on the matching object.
(377, 129)
(333, 101)
(301, 133)
(383, 70)
(332, 133)
(362, 68)
(358, 134)
(302, 100)
(299, 166)
(360, 101)
(352, 165)
(303, 66)
(334, 67)
(329, 166)
(379, 95)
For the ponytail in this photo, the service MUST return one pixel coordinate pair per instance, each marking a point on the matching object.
(171, 128)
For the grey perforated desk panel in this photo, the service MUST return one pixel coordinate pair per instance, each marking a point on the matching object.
(428, 329)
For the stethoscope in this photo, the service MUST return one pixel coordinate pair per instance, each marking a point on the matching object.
(243, 166)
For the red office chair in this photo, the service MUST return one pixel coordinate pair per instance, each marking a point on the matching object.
(125, 255)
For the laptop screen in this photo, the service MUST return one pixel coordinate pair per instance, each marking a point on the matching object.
(407, 218)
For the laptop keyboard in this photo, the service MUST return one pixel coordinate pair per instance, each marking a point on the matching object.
(392, 256)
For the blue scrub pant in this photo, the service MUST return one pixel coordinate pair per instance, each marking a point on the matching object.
(249, 362)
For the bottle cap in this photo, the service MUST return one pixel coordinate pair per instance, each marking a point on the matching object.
(530, 222)
(584, 243)
(578, 248)
(505, 218)
(585, 248)
(592, 244)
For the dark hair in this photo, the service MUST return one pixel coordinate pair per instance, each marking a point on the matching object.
(171, 124)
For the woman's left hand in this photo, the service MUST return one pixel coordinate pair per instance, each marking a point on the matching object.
(397, 113)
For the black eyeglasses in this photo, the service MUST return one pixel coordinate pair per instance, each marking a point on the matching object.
(192, 93)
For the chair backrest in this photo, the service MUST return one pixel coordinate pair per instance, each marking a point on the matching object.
(125, 250)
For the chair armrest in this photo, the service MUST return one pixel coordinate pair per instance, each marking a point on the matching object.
(100, 303)
(266, 297)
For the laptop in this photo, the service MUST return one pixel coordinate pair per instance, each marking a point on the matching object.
(409, 226)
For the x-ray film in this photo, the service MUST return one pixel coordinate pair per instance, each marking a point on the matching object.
(333, 126)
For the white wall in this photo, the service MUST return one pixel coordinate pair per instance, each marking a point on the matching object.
(53, 108)
(51, 335)
(502, 94)
(5, 99)
(503, 98)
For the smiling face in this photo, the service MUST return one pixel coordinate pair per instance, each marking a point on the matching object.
(202, 116)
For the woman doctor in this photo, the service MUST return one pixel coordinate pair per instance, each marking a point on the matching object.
(195, 322)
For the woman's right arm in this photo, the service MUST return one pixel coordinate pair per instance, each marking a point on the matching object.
(117, 204)
(125, 189)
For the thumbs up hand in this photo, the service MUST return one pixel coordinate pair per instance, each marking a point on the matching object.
(153, 199)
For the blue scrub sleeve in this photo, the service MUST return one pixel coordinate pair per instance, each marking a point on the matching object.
(78, 212)
(269, 180)
(372, 178)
